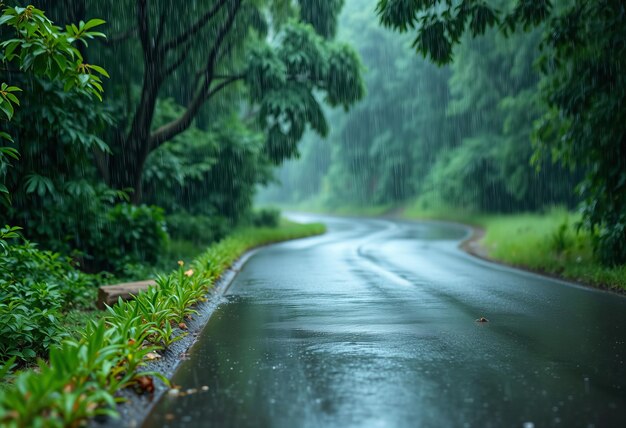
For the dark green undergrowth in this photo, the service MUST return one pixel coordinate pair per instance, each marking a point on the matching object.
(37, 290)
(87, 366)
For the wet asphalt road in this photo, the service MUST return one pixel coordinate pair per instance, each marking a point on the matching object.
(373, 325)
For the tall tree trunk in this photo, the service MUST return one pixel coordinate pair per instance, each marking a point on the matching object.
(127, 165)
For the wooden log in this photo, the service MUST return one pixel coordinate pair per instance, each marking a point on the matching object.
(109, 294)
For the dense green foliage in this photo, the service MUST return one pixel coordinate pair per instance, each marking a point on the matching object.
(36, 288)
(583, 85)
(207, 58)
(32, 47)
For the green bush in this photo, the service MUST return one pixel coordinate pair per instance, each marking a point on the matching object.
(36, 288)
(29, 320)
(560, 239)
(266, 217)
(200, 229)
(129, 234)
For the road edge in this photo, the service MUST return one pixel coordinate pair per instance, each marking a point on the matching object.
(473, 246)
(136, 407)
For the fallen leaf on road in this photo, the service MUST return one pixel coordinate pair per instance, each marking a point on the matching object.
(145, 384)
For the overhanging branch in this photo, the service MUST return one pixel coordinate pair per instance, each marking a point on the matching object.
(197, 26)
(143, 26)
(204, 91)
(172, 129)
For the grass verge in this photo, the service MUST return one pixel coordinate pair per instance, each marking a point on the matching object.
(82, 375)
(546, 242)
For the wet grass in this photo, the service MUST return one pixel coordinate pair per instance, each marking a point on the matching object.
(546, 242)
(549, 243)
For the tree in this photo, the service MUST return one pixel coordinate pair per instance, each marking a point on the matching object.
(39, 48)
(584, 55)
(197, 53)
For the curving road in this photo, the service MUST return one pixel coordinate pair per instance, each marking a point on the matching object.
(373, 324)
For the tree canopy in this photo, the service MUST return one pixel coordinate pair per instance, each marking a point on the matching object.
(198, 53)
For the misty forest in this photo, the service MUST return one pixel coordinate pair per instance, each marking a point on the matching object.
(148, 146)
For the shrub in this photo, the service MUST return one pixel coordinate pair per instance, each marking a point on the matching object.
(202, 230)
(29, 320)
(36, 287)
(267, 217)
(560, 239)
(130, 234)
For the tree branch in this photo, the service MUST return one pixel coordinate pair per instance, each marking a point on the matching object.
(223, 84)
(197, 26)
(181, 58)
(221, 36)
(170, 130)
(143, 26)
(118, 38)
(160, 30)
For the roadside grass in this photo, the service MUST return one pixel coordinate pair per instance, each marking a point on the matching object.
(109, 351)
(547, 242)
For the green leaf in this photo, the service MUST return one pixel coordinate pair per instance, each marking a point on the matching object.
(83, 79)
(5, 18)
(93, 23)
(99, 70)
(5, 136)
(6, 108)
(12, 98)
(39, 184)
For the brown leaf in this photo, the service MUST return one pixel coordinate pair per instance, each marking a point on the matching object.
(145, 384)
(152, 356)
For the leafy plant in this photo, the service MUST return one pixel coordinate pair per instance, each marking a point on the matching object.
(130, 234)
(199, 229)
(44, 49)
(560, 239)
(36, 288)
(29, 320)
(267, 217)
